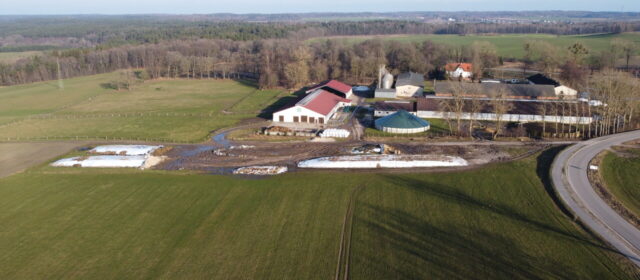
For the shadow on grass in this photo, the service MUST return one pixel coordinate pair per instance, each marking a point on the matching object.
(543, 169)
(281, 103)
(421, 250)
(495, 207)
(248, 83)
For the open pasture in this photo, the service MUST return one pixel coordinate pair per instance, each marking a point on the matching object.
(507, 45)
(171, 110)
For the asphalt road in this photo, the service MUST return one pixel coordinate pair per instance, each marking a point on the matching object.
(569, 175)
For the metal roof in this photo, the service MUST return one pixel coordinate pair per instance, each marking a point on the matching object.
(540, 79)
(401, 119)
(321, 101)
(332, 84)
(410, 79)
(490, 89)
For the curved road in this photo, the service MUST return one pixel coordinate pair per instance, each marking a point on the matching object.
(569, 175)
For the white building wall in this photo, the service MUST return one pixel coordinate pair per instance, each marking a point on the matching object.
(408, 91)
(297, 111)
(459, 73)
(350, 93)
(566, 91)
(506, 117)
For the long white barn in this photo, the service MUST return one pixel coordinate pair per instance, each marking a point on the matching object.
(315, 108)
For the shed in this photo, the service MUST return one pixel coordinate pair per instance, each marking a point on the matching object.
(409, 84)
(402, 122)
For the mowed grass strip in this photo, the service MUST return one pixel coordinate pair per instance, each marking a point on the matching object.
(176, 110)
(494, 223)
(507, 45)
(622, 178)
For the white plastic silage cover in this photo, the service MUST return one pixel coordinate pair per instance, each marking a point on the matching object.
(102, 161)
(125, 150)
(335, 132)
(384, 161)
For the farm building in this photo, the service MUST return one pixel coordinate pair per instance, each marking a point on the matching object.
(409, 84)
(459, 70)
(517, 111)
(488, 90)
(385, 108)
(316, 108)
(335, 87)
(402, 122)
(560, 90)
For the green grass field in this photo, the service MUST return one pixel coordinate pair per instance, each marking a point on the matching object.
(510, 45)
(176, 110)
(494, 223)
(621, 177)
(11, 57)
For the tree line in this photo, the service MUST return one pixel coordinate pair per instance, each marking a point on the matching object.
(75, 32)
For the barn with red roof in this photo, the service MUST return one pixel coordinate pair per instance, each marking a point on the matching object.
(315, 108)
(334, 86)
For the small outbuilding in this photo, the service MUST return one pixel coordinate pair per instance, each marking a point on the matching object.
(402, 122)
(409, 84)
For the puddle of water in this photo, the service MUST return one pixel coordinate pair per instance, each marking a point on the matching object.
(221, 139)
(195, 151)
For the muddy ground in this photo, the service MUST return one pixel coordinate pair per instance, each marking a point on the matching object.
(16, 157)
(212, 157)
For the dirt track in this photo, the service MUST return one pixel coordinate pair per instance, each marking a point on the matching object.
(16, 157)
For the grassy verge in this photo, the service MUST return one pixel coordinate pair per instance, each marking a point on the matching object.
(621, 177)
(496, 222)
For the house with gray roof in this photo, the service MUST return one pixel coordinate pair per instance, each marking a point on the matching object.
(409, 84)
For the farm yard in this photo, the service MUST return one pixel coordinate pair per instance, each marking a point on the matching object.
(319, 145)
(507, 45)
(117, 223)
(164, 110)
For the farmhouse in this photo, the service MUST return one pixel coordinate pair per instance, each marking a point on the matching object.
(335, 87)
(489, 90)
(316, 108)
(459, 70)
(409, 84)
(560, 90)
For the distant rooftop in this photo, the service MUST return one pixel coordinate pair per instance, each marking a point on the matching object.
(410, 79)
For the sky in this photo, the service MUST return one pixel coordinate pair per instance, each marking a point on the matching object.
(48, 7)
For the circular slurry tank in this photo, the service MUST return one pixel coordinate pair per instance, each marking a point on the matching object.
(402, 122)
